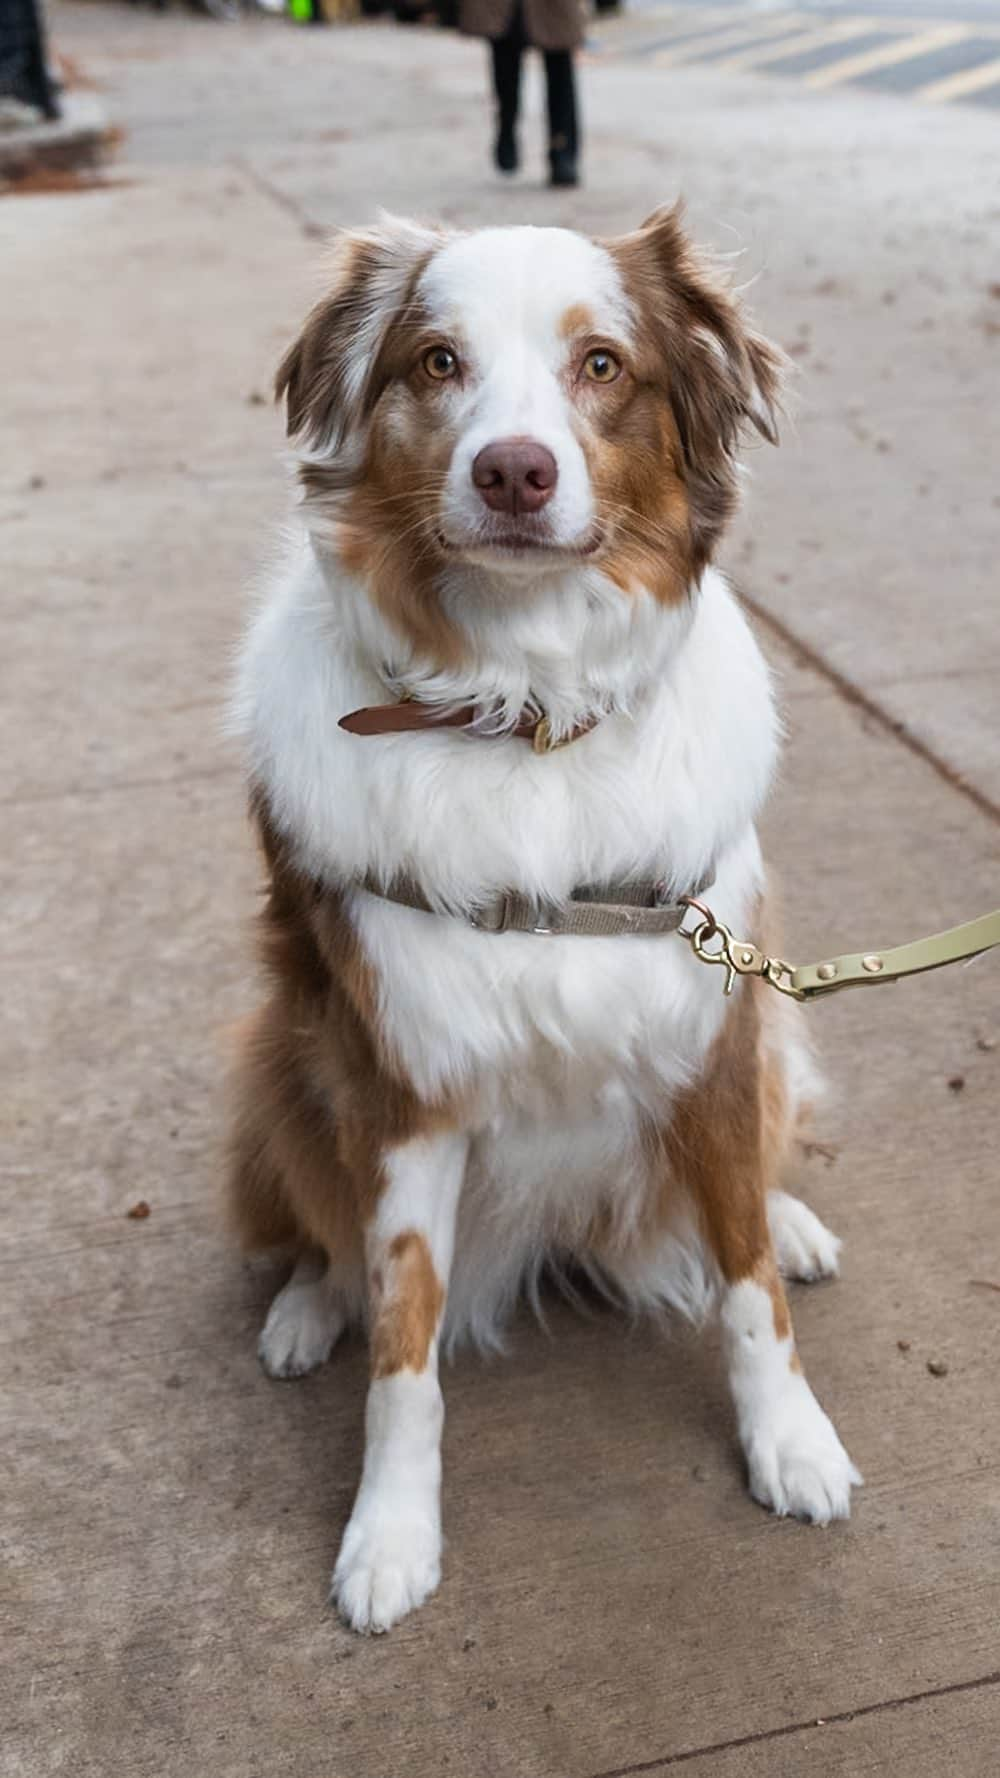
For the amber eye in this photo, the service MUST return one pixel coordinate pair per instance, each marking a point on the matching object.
(601, 367)
(440, 363)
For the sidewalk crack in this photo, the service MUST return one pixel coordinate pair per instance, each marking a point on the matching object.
(798, 1728)
(313, 230)
(807, 656)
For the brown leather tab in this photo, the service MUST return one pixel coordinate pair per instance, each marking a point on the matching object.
(394, 719)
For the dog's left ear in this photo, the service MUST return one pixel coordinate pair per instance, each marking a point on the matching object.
(328, 378)
(720, 375)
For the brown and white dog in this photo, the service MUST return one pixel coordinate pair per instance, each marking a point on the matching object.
(517, 453)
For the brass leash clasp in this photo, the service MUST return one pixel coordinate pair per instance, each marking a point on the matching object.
(713, 942)
(736, 956)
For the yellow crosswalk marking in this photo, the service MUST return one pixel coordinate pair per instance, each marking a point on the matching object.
(688, 49)
(816, 38)
(957, 86)
(750, 39)
(904, 50)
(615, 34)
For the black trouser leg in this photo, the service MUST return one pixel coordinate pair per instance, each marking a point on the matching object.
(507, 75)
(561, 90)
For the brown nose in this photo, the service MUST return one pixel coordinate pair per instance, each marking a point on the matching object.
(515, 475)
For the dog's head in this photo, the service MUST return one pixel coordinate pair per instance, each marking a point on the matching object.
(523, 399)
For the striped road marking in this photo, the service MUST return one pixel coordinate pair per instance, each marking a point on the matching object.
(742, 38)
(690, 48)
(888, 55)
(816, 38)
(958, 86)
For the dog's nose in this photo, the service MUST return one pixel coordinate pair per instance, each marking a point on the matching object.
(515, 475)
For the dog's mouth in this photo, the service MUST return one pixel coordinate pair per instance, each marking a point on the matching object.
(522, 545)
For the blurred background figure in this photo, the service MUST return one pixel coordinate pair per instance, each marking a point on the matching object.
(27, 86)
(556, 28)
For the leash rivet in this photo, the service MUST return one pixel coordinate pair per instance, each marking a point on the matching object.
(826, 972)
(746, 957)
(872, 964)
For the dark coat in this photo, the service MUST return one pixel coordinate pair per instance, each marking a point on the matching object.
(548, 24)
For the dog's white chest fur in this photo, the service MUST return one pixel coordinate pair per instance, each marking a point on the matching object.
(525, 1024)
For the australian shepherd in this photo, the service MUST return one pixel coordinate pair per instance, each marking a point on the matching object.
(502, 715)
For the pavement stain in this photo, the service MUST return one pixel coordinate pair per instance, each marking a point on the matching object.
(58, 181)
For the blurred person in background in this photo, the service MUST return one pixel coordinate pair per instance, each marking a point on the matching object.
(556, 28)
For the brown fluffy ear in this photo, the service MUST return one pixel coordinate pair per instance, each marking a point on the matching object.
(326, 377)
(720, 375)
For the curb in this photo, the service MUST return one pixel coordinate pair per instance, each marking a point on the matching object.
(76, 140)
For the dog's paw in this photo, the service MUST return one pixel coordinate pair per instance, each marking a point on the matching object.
(303, 1325)
(387, 1566)
(805, 1248)
(797, 1464)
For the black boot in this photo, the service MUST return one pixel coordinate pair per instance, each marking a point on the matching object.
(563, 125)
(562, 167)
(505, 153)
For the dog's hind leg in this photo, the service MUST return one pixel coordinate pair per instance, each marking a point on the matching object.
(804, 1247)
(287, 1189)
(305, 1319)
(259, 1209)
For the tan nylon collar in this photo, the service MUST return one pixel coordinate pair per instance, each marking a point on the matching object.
(643, 909)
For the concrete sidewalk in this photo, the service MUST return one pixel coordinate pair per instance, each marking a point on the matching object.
(612, 1602)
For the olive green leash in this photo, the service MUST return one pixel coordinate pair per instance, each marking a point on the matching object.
(713, 942)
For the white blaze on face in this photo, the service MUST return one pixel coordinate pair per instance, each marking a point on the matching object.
(502, 297)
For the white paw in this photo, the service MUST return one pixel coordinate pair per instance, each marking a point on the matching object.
(806, 1249)
(303, 1325)
(796, 1462)
(387, 1566)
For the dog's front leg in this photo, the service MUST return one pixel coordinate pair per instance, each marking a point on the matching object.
(390, 1559)
(796, 1462)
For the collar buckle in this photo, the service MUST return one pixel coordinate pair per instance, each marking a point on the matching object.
(494, 916)
(544, 741)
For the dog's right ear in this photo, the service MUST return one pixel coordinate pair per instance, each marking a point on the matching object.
(328, 378)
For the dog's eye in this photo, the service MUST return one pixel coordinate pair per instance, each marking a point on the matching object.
(601, 367)
(440, 364)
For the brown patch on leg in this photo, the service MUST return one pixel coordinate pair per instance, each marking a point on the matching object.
(286, 1179)
(258, 1209)
(781, 1121)
(410, 1300)
(774, 1117)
